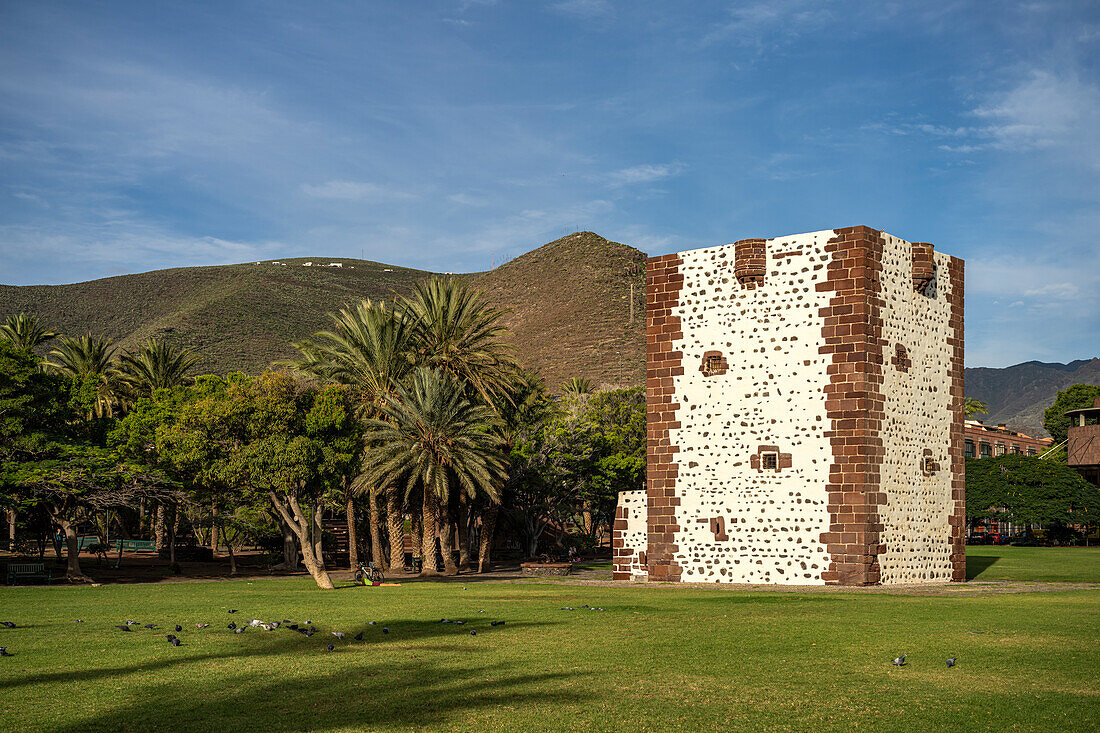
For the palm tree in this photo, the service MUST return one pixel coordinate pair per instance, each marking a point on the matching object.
(25, 332)
(154, 366)
(89, 358)
(577, 386)
(973, 406)
(432, 438)
(458, 332)
(369, 350)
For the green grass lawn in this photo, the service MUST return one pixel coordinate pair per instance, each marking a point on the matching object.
(658, 658)
(1066, 564)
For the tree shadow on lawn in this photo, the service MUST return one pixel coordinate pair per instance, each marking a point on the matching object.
(281, 642)
(344, 695)
(978, 564)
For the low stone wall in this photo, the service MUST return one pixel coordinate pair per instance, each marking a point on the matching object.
(546, 568)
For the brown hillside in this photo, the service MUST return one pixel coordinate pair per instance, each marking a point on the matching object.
(569, 304)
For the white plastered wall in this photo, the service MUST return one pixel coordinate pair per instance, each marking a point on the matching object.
(916, 529)
(635, 536)
(772, 394)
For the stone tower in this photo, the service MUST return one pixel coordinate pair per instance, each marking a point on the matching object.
(805, 410)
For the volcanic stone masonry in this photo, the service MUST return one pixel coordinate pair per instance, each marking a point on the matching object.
(805, 411)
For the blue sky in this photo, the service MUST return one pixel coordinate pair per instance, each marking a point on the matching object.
(447, 134)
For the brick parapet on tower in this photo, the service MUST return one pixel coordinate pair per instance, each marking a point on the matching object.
(663, 363)
(956, 299)
(854, 405)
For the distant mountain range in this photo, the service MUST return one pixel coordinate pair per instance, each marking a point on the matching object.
(568, 304)
(1018, 395)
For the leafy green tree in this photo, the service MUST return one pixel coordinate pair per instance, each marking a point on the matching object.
(25, 332)
(1029, 491)
(369, 349)
(1071, 398)
(431, 439)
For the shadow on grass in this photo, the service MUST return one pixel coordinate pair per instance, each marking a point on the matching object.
(346, 693)
(978, 564)
(256, 643)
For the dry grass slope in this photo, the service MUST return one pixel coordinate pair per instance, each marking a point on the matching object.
(567, 305)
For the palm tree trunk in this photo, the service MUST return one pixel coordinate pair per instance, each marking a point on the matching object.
(353, 540)
(446, 539)
(376, 553)
(428, 529)
(159, 528)
(488, 528)
(395, 523)
(417, 537)
(463, 532)
(214, 528)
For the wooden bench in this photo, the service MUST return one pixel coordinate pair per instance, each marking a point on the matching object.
(28, 570)
(546, 568)
(135, 546)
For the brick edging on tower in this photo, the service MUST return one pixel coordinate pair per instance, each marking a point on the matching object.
(956, 299)
(663, 363)
(854, 405)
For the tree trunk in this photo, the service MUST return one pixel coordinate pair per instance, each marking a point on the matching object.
(232, 555)
(290, 549)
(11, 528)
(72, 571)
(416, 535)
(427, 538)
(172, 536)
(291, 514)
(488, 528)
(463, 532)
(353, 540)
(395, 524)
(159, 528)
(214, 528)
(376, 553)
(446, 539)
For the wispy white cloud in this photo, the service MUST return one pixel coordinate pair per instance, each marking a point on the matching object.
(362, 191)
(639, 174)
(585, 8)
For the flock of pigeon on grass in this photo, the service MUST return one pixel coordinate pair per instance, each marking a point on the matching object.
(306, 628)
(900, 661)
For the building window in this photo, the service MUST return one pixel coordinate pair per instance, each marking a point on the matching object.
(769, 461)
(1016, 450)
(713, 364)
(901, 359)
(969, 448)
(929, 466)
(1031, 451)
(1000, 449)
(984, 450)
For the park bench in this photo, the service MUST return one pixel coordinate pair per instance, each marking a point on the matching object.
(28, 570)
(136, 546)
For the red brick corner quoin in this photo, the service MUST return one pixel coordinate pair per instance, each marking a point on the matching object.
(957, 278)
(854, 405)
(663, 363)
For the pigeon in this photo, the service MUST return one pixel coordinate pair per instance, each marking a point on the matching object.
(232, 610)
(330, 647)
(459, 623)
(463, 587)
(7, 624)
(496, 623)
(123, 627)
(231, 625)
(359, 636)
(149, 626)
(473, 632)
(169, 637)
(4, 651)
(444, 621)
(293, 627)
(900, 661)
(339, 634)
(79, 621)
(179, 628)
(268, 627)
(308, 633)
(287, 621)
(274, 625)
(586, 606)
(385, 630)
(238, 630)
(255, 622)
(175, 642)
(951, 662)
(371, 623)
(132, 623)
(201, 626)
(309, 621)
